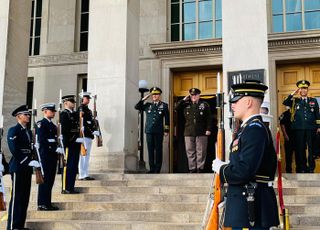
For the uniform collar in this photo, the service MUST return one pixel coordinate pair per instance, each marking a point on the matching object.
(49, 120)
(71, 111)
(22, 125)
(249, 118)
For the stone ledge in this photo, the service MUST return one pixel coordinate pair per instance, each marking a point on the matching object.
(59, 59)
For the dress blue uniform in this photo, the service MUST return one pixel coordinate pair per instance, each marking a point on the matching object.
(305, 121)
(252, 161)
(157, 113)
(20, 145)
(47, 138)
(70, 131)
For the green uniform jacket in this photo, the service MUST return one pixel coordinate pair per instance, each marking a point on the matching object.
(198, 117)
(305, 114)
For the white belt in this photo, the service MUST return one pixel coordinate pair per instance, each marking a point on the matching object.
(51, 140)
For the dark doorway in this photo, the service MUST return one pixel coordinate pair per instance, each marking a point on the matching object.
(180, 161)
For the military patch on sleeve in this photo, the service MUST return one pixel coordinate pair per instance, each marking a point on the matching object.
(12, 138)
(39, 125)
(255, 124)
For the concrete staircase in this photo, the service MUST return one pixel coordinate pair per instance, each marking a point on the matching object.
(118, 201)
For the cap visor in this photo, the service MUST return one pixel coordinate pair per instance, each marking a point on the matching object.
(235, 99)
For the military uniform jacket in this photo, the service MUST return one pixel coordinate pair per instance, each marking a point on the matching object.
(285, 119)
(155, 113)
(252, 159)
(306, 114)
(47, 138)
(70, 126)
(88, 121)
(198, 117)
(20, 145)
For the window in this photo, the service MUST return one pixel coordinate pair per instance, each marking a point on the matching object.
(195, 19)
(82, 84)
(295, 15)
(35, 28)
(84, 25)
(30, 85)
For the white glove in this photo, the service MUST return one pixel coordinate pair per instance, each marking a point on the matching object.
(79, 140)
(60, 150)
(36, 145)
(82, 128)
(1, 168)
(34, 164)
(60, 137)
(216, 165)
(96, 133)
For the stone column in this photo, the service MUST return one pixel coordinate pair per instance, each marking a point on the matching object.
(113, 56)
(245, 40)
(14, 47)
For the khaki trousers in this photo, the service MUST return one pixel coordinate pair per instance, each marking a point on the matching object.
(196, 149)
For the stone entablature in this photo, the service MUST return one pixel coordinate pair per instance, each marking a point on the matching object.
(58, 60)
(276, 42)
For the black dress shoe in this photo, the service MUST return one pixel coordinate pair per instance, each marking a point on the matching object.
(193, 171)
(89, 178)
(53, 208)
(43, 208)
(69, 192)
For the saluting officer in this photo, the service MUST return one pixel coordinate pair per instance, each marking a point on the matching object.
(305, 125)
(20, 167)
(157, 114)
(197, 128)
(47, 140)
(89, 130)
(251, 170)
(70, 130)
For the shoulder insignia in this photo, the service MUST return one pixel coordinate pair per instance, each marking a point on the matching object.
(39, 124)
(12, 138)
(255, 124)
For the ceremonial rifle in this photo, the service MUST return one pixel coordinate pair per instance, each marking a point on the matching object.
(60, 136)
(211, 219)
(284, 214)
(96, 122)
(2, 189)
(83, 149)
(38, 171)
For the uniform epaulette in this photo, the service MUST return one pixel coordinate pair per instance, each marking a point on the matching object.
(255, 124)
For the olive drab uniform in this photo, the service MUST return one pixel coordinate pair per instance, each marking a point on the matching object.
(47, 138)
(252, 159)
(198, 120)
(285, 120)
(305, 121)
(157, 122)
(70, 131)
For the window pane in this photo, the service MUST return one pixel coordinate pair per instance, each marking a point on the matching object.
(30, 46)
(219, 29)
(189, 31)
(189, 12)
(205, 11)
(293, 6)
(294, 22)
(38, 27)
(276, 6)
(188, 0)
(39, 8)
(218, 9)
(172, 1)
(312, 20)
(36, 50)
(311, 4)
(277, 23)
(175, 13)
(83, 41)
(175, 32)
(84, 22)
(205, 30)
(32, 9)
(85, 6)
(31, 28)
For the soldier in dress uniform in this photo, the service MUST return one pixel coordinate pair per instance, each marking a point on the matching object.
(285, 124)
(253, 162)
(305, 125)
(20, 167)
(197, 128)
(157, 125)
(47, 140)
(89, 130)
(71, 131)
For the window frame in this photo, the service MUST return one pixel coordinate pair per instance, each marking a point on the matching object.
(34, 26)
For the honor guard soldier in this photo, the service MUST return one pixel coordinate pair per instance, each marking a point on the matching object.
(47, 140)
(251, 200)
(20, 167)
(70, 130)
(198, 121)
(157, 113)
(305, 124)
(89, 130)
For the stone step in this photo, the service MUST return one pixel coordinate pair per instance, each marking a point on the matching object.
(301, 199)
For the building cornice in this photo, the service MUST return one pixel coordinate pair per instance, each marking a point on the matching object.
(210, 46)
(58, 59)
